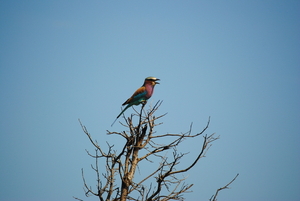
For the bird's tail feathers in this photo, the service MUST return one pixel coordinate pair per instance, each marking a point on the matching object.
(121, 113)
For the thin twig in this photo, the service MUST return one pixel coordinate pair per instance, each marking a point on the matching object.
(214, 197)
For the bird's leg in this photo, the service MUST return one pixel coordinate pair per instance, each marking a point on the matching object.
(144, 103)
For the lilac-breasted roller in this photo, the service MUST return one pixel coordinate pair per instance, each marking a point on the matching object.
(141, 95)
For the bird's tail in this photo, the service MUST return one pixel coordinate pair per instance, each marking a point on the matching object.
(121, 113)
(114, 122)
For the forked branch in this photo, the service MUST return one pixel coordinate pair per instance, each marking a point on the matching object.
(214, 197)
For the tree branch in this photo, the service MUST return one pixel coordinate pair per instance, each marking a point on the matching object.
(214, 197)
(121, 166)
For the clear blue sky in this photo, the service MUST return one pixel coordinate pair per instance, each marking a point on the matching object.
(236, 61)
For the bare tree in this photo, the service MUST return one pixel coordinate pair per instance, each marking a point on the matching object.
(118, 181)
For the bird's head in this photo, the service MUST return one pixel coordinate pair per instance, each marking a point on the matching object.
(152, 80)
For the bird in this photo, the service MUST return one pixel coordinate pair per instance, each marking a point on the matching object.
(141, 95)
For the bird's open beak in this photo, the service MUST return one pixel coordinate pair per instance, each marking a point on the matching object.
(156, 81)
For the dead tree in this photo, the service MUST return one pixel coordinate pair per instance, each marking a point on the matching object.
(115, 179)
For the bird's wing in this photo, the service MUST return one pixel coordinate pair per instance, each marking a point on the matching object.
(135, 99)
(138, 94)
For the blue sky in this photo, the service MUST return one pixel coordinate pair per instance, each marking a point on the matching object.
(236, 61)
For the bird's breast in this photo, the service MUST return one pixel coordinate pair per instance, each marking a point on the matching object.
(149, 90)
